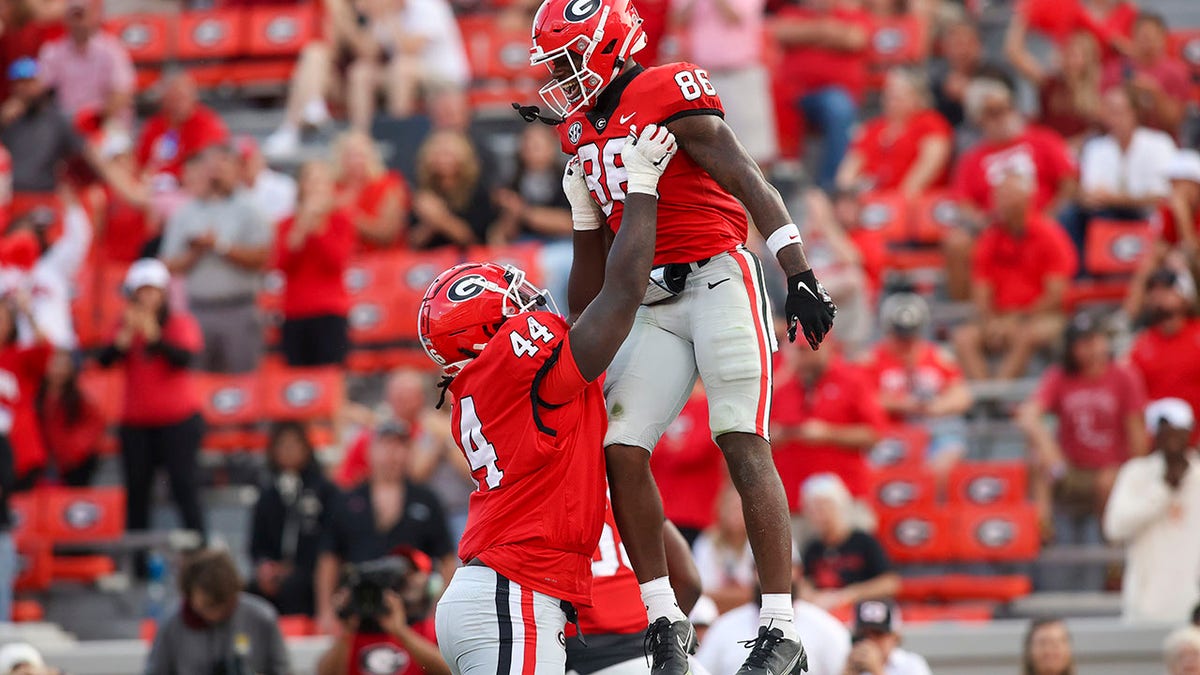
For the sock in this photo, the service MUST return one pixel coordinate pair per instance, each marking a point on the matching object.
(660, 600)
(777, 612)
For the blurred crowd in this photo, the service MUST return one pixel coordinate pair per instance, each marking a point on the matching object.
(1038, 151)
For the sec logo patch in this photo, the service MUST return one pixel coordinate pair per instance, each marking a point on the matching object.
(575, 132)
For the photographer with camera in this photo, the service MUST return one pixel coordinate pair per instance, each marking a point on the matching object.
(217, 630)
(876, 643)
(387, 627)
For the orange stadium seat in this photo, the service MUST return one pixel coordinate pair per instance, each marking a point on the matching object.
(377, 326)
(1117, 247)
(1004, 533)
(900, 488)
(34, 565)
(917, 535)
(149, 38)
(987, 483)
(302, 393)
(280, 30)
(900, 446)
(963, 612)
(217, 34)
(231, 405)
(887, 214)
(934, 213)
(84, 514)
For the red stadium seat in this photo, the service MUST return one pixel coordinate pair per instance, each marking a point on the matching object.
(527, 257)
(26, 510)
(84, 514)
(1004, 533)
(988, 483)
(960, 587)
(917, 535)
(1094, 292)
(900, 446)
(34, 561)
(149, 38)
(902, 487)
(231, 405)
(886, 213)
(302, 393)
(896, 41)
(496, 52)
(375, 321)
(1117, 247)
(934, 213)
(297, 625)
(218, 34)
(962, 612)
(27, 611)
(280, 30)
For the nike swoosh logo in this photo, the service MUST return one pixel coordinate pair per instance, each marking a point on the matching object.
(714, 285)
(801, 284)
(626, 118)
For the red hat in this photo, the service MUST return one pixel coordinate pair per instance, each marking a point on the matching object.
(20, 250)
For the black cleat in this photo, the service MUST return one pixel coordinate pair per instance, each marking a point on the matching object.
(771, 654)
(668, 645)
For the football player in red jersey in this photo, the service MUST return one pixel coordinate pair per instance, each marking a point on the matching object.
(705, 312)
(529, 416)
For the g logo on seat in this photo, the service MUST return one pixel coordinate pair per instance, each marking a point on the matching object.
(466, 288)
(581, 10)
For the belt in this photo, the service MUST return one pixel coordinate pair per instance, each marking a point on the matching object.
(683, 269)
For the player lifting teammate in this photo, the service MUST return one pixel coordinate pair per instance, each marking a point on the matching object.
(705, 310)
(528, 413)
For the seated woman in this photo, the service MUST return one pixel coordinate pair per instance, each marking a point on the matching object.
(452, 205)
(376, 199)
(71, 423)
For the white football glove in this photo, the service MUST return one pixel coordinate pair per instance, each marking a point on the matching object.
(585, 215)
(646, 156)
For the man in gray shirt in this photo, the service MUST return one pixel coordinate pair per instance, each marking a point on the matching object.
(217, 627)
(220, 243)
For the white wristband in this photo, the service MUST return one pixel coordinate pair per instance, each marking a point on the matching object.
(785, 236)
(585, 221)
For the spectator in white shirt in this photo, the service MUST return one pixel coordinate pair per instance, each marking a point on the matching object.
(876, 649)
(1181, 651)
(723, 555)
(273, 193)
(1048, 648)
(826, 640)
(1155, 510)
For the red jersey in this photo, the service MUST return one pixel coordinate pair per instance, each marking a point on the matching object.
(697, 218)
(537, 457)
(156, 392)
(1092, 413)
(385, 655)
(1170, 364)
(618, 608)
(689, 467)
(313, 272)
(368, 201)
(1037, 153)
(930, 373)
(888, 155)
(1017, 267)
(21, 372)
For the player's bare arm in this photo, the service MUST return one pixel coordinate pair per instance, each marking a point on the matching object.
(711, 144)
(604, 325)
(589, 250)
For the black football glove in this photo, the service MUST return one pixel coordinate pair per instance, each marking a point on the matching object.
(809, 307)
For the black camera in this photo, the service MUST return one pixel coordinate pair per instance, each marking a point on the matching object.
(367, 581)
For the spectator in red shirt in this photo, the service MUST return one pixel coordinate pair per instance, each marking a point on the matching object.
(1161, 83)
(22, 368)
(1009, 146)
(1167, 351)
(825, 418)
(312, 248)
(161, 424)
(1099, 406)
(182, 127)
(71, 423)
(1109, 21)
(122, 227)
(825, 56)
(905, 149)
(376, 199)
(1020, 271)
(919, 383)
(689, 468)
(1070, 98)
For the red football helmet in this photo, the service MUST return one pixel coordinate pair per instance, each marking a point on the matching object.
(465, 306)
(592, 39)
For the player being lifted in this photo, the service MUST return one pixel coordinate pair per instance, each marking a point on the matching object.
(529, 416)
(705, 310)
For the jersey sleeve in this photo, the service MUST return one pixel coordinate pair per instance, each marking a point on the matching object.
(562, 380)
(686, 90)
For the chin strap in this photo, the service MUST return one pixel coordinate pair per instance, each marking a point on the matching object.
(532, 113)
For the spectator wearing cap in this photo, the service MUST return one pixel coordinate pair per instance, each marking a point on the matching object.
(385, 511)
(877, 649)
(217, 628)
(182, 127)
(1047, 648)
(312, 249)
(273, 193)
(825, 53)
(1021, 266)
(376, 198)
(87, 69)
(22, 658)
(907, 148)
(1160, 82)
(689, 468)
(219, 243)
(1181, 651)
(161, 425)
(919, 382)
(1098, 405)
(843, 565)
(1155, 511)
(1167, 351)
(826, 640)
(293, 506)
(825, 418)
